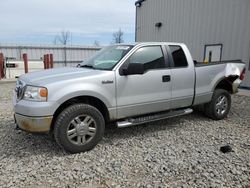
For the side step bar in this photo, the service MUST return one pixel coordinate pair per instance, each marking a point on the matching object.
(154, 117)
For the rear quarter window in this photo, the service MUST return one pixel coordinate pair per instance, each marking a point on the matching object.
(179, 56)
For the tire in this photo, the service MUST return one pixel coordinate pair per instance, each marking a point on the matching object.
(79, 128)
(219, 107)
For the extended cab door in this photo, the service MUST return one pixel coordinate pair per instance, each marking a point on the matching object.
(148, 92)
(182, 76)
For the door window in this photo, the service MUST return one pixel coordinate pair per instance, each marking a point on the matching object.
(150, 56)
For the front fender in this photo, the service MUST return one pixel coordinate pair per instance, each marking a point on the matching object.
(105, 93)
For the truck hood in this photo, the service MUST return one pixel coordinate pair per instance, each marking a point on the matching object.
(45, 77)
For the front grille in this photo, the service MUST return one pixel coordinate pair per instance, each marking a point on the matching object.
(20, 86)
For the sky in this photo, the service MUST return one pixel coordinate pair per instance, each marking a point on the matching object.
(40, 21)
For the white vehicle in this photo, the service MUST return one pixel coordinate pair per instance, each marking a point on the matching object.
(126, 84)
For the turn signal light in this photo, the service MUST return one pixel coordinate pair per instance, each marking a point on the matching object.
(242, 75)
(43, 92)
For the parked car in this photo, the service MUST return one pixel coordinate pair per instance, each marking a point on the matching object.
(125, 84)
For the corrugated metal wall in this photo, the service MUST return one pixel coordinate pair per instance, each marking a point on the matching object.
(74, 54)
(197, 23)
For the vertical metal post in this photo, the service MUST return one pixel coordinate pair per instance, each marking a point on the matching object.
(65, 56)
(51, 60)
(20, 51)
(210, 57)
(25, 60)
(1, 66)
(47, 61)
(44, 61)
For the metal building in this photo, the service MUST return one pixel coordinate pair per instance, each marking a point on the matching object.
(62, 54)
(212, 29)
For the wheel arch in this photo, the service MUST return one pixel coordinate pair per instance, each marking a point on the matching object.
(226, 83)
(93, 101)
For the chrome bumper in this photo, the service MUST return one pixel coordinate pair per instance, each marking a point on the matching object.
(33, 124)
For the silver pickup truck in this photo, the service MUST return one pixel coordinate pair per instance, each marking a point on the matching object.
(124, 84)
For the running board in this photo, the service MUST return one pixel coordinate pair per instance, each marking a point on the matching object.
(154, 117)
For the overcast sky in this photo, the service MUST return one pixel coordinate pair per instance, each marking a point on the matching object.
(39, 21)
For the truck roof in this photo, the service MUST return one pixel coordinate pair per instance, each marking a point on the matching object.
(151, 43)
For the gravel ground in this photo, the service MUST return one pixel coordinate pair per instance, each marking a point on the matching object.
(182, 151)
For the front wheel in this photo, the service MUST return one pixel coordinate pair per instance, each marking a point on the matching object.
(218, 108)
(79, 128)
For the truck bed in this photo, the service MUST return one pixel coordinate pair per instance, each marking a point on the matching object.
(202, 64)
(210, 74)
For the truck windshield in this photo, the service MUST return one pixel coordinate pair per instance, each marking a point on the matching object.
(107, 58)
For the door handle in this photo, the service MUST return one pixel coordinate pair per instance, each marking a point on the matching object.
(166, 78)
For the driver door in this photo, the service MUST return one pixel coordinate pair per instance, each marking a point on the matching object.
(148, 92)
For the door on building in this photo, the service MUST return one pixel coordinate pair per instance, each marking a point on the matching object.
(212, 52)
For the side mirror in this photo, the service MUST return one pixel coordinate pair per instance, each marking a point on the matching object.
(133, 68)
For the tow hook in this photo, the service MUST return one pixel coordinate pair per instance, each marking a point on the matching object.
(16, 128)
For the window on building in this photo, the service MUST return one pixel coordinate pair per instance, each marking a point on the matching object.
(179, 56)
(151, 57)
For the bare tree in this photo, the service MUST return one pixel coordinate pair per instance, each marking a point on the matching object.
(118, 36)
(55, 40)
(63, 38)
(96, 43)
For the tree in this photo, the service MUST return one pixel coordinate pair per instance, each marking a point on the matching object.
(96, 43)
(118, 36)
(63, 38)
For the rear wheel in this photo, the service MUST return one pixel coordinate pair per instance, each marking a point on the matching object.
(218, 108)
(79, 128)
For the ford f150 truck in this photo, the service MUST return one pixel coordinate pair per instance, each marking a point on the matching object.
(125, 84)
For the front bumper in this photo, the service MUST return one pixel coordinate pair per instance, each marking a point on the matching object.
(33, 124)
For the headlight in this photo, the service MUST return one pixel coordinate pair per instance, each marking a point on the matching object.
(34, 93)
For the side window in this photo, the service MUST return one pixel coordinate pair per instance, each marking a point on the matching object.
(150, 56)
(179, 56)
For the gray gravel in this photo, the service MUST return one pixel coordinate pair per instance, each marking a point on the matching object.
(183, 151)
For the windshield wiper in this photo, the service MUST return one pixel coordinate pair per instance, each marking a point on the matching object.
(87, 66)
